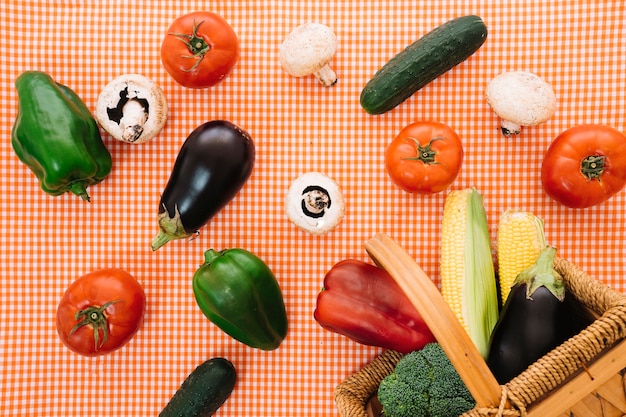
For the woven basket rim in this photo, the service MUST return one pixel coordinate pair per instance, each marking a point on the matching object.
(543, 376)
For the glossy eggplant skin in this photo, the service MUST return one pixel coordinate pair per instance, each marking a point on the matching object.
(529, 328)
(213, 164)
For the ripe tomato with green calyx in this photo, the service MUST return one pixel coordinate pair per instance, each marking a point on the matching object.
(585, 165)
(424, 158)
(199, 49)
(100, 312)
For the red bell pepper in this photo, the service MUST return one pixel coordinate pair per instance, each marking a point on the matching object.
(364, 303)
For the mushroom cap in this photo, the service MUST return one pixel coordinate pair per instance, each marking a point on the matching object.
(136, 87)
(521, 97)
(314, 203)
(307, 48)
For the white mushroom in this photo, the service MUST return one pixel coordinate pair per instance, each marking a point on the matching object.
(307, 50)
(315, 203)
(520, 98)
(132, 108)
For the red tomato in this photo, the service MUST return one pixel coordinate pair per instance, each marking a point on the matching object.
(424, 158)
(100, 312)
(200, 49)
(585, 166)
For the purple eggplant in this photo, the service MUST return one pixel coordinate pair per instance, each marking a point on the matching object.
(539, 314)
(212, 166)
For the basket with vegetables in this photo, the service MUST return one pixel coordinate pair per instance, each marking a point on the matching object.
(567, 361)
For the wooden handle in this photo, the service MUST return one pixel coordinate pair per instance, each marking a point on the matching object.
(439, 317)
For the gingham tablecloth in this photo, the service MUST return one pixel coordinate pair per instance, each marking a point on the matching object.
(298, 126)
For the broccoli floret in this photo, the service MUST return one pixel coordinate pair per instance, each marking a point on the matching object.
(403, 395)
(424, 384)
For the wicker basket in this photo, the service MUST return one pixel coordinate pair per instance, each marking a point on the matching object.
(583, 377)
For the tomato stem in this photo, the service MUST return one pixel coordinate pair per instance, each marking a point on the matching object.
(195, 44)
(424, 153)
(593, 166)
(96, 318)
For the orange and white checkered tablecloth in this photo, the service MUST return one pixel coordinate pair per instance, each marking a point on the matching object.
(578, 46)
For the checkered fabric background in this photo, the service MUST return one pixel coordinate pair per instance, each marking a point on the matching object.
(46, 242)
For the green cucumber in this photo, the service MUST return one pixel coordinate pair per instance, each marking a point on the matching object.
(204, 390)
(421, 62)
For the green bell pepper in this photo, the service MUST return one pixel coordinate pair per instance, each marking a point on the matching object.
(57, 137)
(239, 293)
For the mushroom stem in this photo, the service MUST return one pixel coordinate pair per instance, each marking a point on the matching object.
(327, 76)
(134, 117)
(132, 108)
(520, 98)
(307, 50)
(510, 128)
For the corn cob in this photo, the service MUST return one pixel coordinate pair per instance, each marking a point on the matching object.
(468, 281)
(520, 240)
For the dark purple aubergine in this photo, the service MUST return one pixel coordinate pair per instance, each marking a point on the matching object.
(212, 166)
(539, 314)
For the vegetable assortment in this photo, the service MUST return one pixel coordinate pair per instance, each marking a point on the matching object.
(57, 137)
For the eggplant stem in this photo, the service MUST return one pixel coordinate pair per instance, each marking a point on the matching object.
(170, 228)
(543, 274)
